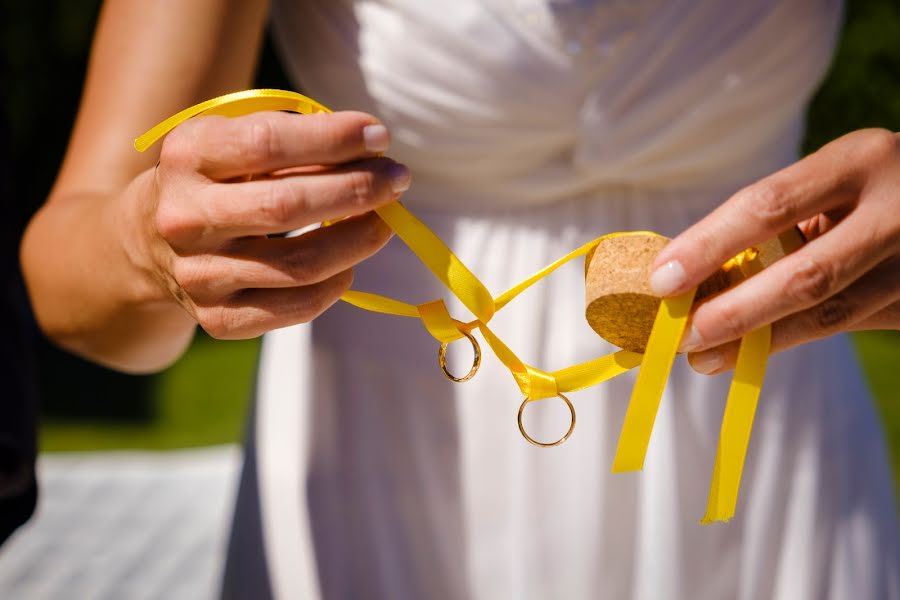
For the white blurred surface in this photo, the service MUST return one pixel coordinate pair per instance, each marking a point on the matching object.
(125, 525)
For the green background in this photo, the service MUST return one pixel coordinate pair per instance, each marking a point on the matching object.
(203, 399)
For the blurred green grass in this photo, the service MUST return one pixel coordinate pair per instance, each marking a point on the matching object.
(202, 400)
(879, 353)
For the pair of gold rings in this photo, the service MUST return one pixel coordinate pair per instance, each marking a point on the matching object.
(476, 364)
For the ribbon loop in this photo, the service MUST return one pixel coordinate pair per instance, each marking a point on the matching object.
(432, 251)
(438, 322)
(536, 384)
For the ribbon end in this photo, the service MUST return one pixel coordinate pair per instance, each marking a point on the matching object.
(716, 515)
(140, 144)
(709, 520)
(622, 464)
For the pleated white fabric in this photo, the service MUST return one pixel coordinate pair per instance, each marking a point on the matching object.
(532, 127)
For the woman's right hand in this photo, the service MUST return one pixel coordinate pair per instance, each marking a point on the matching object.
(199, 231)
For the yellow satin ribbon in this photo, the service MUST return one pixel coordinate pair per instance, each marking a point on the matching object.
(534, 383)
(740, 408)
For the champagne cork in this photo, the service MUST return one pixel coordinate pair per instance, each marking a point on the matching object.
(619, 304)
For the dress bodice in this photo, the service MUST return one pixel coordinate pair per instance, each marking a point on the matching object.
(533, 101)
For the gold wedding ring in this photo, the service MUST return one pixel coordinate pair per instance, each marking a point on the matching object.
(547, 444)
(442, 359)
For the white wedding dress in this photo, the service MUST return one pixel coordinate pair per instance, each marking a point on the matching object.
(532, 126)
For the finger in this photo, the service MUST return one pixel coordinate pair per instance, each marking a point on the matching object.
(869, 303)
(820, 224)
(282, 262)
(820, 182)
(253, 312)
(225, 211)
(716, 360)
(223, 148)
(286, 203)
(888, 318)
(798, 281)
(851, 310)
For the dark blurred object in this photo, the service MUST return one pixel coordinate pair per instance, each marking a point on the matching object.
(863, 87)
(18, 398)
(46, 50)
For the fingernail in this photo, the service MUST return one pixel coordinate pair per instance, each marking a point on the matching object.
(400, 177)
(707, 362)
(376, 138)
(691, 341)
(668, 278)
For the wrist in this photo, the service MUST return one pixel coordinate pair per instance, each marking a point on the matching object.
(129, 217)
(91, 291)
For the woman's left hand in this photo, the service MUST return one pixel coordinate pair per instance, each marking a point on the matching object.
(846, 200)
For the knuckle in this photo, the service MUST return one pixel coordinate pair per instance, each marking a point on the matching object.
(309, 307)
(367, 235)
(706, 239)
(377, 233)
(878, 144)
(323, 295)
(337, 131)
(729, 320)
(344, 281)
(179, 149)
(217, 322)
(275, 203)
(834, 314)
(171, 223)
(810, 283)
(190, 274)
(184, 274)
(261, 140)
(328, 130)
(768, 202)
(889, 317)
(309, 312)
(302, 265)
(319, 301)
(362, 188)
(231, 320)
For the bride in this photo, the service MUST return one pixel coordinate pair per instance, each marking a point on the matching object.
(517, 130)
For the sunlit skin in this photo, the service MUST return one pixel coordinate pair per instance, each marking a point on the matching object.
(846, 199)
(132, 251)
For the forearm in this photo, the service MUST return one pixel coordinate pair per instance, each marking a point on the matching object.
(90, 294)
(82, 253)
